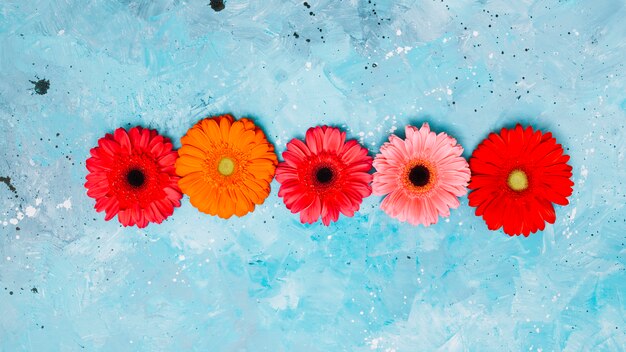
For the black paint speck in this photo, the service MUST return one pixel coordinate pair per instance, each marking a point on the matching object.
(11, 293)
(295, 34)
(217, 5)
(7, 181)
(306, 4)
(41, 86)
(34, 290)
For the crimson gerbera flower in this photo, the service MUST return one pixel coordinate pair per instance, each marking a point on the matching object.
(132, 174)
(324, 176)
(516, 177)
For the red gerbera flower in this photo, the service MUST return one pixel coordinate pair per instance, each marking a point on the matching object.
(132, 174)
(324, 176)
(516, 177)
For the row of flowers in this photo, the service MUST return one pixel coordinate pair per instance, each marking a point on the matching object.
(226, 166)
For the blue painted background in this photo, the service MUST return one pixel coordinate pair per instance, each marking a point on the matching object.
(71, 282)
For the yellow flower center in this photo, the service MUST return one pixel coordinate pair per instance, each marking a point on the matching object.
(226, 166)
(518, 180)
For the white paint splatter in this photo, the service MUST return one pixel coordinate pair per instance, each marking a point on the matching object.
(67, 204)
(30, 211)
(399, 50)
(374, 343)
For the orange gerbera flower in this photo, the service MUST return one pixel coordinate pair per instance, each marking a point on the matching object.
(226, 166)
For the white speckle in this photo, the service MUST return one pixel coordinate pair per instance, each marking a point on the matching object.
(491, 55)
(174, 280)
(329, 237)
(181, 257)
(38, 201)
(573, 214)
(449, 91)
(149, 282)
(20, 215)
(61, 32)
(398, 32)
(374, 343)
(17, 237)
(67, 204)
(13, 221)
(9, 258)
(308, 66)
(295, 107)
(30, 211)
(475, 33)
(399, 50)
(584, 171)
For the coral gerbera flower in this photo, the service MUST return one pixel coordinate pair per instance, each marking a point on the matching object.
(131, 175)
(324, 176)
(421, 175)
(226, 166)
(516, 176)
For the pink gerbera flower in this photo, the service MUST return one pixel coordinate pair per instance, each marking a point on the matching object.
(421, 175)
(324, 176)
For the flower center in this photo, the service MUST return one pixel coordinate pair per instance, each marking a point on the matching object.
(135, 178)
(419, 175)
(517, 180)
(324, 175)
(226, 166)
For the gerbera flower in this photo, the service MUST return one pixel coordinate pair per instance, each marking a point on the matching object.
(421, 175)
(324, 176)
(516, 176)
(131, 175)
(226, 166)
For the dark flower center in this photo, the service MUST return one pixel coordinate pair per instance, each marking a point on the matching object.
(419, 175)
(136, 178)
(324, 175)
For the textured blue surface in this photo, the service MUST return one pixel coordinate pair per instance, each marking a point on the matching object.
(71, 282)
